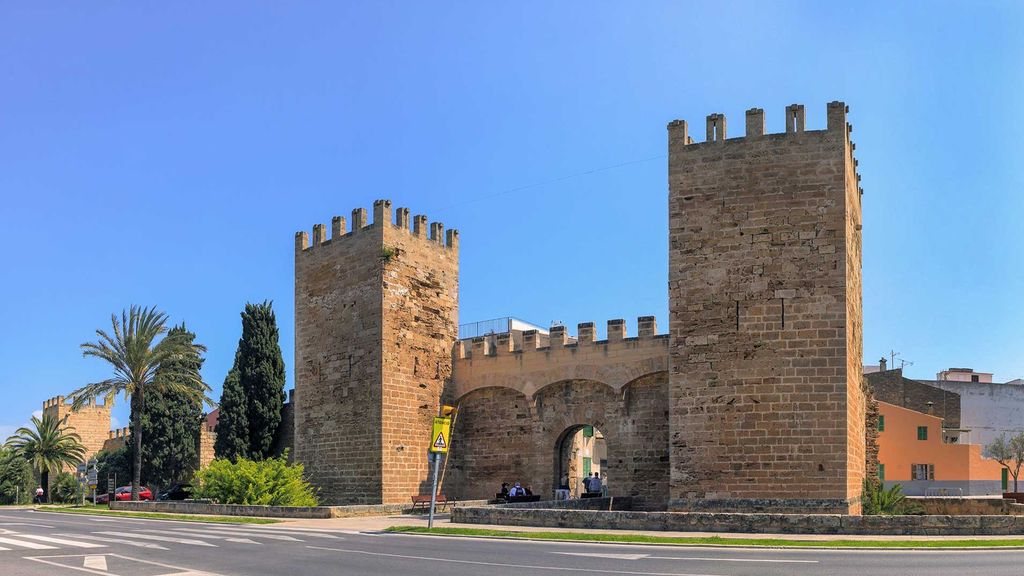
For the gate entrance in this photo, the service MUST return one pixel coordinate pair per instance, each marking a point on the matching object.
(580, 454)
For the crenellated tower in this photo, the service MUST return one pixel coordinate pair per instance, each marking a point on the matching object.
(766, 408)
(91, 422)
(376, 315)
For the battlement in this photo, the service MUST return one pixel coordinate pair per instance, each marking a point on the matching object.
(62, 401)
(432, 232)
(53, 402)
(118, 433)
(715, 125)
(557, 339)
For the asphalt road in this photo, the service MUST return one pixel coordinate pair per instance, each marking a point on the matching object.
(47, 544)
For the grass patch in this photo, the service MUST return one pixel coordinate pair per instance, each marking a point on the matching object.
(713, 540)
(104, 511)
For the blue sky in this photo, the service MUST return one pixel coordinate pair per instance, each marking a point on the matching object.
(166, 153)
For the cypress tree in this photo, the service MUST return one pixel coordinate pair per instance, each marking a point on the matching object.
(171, 420)
(261, 373)
(232, 428)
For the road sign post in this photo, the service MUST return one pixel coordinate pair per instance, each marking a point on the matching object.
(440, 438)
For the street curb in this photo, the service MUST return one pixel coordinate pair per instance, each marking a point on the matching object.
(728, 546)
(130, 516)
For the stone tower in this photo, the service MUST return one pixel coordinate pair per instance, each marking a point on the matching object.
(376, 315)
(91, 422)
(766, 407)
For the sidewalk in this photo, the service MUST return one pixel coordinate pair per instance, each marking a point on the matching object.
(377, 523)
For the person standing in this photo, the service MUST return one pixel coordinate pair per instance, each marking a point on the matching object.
(595, 484)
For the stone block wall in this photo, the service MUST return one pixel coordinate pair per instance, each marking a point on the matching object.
(91, 422)
(502, 435)
(765, 389)
(375, 318)
(890, 386)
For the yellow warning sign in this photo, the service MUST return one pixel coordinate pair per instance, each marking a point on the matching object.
(439, 436)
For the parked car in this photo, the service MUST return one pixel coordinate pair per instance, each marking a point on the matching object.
(179, 491)
(124, 493)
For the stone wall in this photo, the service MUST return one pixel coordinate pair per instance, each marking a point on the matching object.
(890, 386)
(502, 435)
(284, 440)
(765, 389)
(207, 439)
(969, 506)
(375, 319)
(116, 439)
(91, 422)
(994, 525)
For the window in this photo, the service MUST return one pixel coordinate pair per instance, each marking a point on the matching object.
(975, 378)
(922, 471)
(881, 472)
(881, 422)
(586, 466)
(922, 432)
(1006, 479)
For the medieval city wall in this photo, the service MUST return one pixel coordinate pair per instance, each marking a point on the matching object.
(91, 422)
(375, 318)
(766, 403)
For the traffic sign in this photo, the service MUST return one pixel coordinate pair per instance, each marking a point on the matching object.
(440, 437)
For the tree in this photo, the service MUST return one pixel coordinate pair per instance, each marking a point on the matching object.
(16, 481)
(48, 446)
(261, 372)
(66, 489)
(139, 347)
(232, 429)
(1009, 452)
(250, 409)
(116, 463)
(170, 420)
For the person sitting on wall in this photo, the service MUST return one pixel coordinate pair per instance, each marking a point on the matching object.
(504, 490)
(562, 493)
(529, 490)
(516, 490)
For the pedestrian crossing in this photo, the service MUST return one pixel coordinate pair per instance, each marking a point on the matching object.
(204, 536)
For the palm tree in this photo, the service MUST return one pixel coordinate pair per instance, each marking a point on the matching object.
(136, 351)
(48, 446)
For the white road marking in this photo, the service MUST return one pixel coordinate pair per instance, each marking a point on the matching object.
(501, 565)
(612, 556)
(227, 537)
(240, 533)
(159, 538)
(181, 570)
(698, 559)
(24, 524)
(95, 562)
(109, 540)
(261, 532)
(23, 544)
(52, 540)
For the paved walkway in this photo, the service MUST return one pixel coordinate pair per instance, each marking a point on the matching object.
(373, 523)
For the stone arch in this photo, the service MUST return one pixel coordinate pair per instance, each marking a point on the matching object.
(491, 442)
(562, 408)
(643, 449)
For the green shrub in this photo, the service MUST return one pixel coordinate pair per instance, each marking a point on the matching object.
(889, 502)
(270, 482)
(65, 489)
(17, 485)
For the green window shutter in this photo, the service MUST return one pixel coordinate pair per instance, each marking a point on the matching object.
(881, 472)
(1006, 479)
(881, 422)
(586, 466)
(922, 432)
(588, 431)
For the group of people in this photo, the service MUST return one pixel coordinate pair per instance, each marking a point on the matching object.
(516, 490)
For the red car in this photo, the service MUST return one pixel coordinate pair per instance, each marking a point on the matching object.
(124, 493)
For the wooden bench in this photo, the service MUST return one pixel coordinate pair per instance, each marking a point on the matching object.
(422, 502)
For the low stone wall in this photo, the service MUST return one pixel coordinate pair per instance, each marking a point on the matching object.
(969, 506)
(205, 507)
(605, 503)
(748, 523)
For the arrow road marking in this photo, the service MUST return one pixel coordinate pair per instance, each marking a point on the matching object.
(95, 562)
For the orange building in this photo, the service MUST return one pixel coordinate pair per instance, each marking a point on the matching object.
(912, 452)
